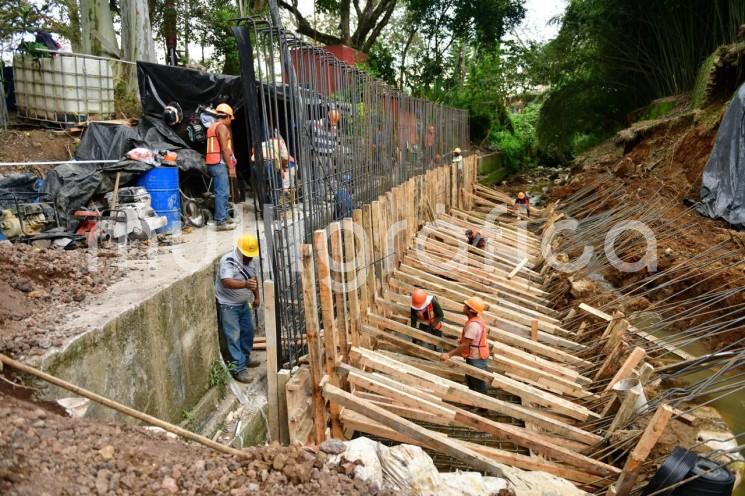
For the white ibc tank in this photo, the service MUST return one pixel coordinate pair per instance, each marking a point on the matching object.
(64, 88)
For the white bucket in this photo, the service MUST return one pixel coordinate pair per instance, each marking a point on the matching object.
(626, 385)
(76, 407)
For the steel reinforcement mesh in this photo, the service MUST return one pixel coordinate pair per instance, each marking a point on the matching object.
(326, 138)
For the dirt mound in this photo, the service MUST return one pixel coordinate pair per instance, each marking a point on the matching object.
(39, 288)
(43, 453)
(36, 144)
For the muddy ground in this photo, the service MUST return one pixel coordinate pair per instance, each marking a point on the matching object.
(42, 452)
(29, 145)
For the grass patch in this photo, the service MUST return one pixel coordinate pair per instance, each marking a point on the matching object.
(658, 110)
(698, 96)
(220, 375)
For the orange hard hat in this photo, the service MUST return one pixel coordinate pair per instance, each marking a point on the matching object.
(476, 304)
(521, 195)
(224, 108)
(418, 299)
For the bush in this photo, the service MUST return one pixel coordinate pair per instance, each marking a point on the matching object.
(517, 142)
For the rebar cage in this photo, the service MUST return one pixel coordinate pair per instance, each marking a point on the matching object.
(326, 138)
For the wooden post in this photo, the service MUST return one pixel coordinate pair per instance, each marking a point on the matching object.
(283, 377)
(631, 362)
(642, 450)
(377, 247)
(144, 417)
(342, 321)
(312, 329)
(329, 325)
(352, 281)
(270, 326)
(534, 330)
(645, 372)
(625, 411)
(367, 224)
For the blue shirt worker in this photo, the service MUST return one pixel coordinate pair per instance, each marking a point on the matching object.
(237, 290)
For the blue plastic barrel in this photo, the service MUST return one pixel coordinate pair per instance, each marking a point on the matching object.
(162, 184)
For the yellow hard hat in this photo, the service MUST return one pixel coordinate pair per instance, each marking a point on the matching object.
(224, 108)
(248, 245)
(457, 150)
(476, 304)
(521, 195)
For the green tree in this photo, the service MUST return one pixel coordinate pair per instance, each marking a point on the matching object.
(613, 56)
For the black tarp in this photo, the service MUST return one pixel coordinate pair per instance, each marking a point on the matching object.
(723, 183)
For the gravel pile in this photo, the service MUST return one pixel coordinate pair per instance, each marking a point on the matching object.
(40, 289)
(45, 453)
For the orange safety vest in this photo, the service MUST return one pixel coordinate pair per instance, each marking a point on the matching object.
(423, 317)
(483, 346)
(214, 154)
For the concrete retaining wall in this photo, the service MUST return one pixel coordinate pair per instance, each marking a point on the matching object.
(155, 357)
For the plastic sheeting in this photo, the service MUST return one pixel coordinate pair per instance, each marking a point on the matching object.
(723, 184)
(161, 84)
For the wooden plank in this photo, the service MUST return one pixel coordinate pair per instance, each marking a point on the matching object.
(330, 340)
(628, 366)
(283, 377)
(352, 281)
(312, 331)
(518, 268)
(522, 390)
(455, 392)
(378, 254)
(641, 451)
(272, 394)
(365, 425)
(645, 335)
(369, 254)
(410, 429)
(534, 330)
(340, 291)
(299, 406)
(625, 412)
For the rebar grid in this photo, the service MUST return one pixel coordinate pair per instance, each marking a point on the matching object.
(352, 136)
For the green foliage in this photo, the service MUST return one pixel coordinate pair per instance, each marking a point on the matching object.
(699, 89)
(658, 110)
(612, 56)
(379, 63)
(188, 417)
(517, 144)
(220, 374)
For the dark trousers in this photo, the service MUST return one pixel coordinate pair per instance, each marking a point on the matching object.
(473, 383)
(429, 330)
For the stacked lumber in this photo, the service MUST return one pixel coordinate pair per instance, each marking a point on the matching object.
(372, 373)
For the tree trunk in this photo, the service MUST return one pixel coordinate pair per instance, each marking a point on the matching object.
(137, 43)
(97, 29)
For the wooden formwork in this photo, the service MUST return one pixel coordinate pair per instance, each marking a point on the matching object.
(370, 372)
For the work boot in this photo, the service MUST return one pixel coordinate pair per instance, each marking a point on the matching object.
(252, 364)
(244, 377)
(225, 227)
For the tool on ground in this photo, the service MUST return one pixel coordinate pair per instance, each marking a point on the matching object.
(130, 216)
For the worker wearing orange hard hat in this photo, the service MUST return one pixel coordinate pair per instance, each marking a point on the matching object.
(473, 344)
(221, 163)
(522, 203)
(427, 314)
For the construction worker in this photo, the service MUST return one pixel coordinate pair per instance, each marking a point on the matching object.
(474, 238)
(427, 313)
(237, 291)
(522, 203)
(221, 164)
(458, 158)
(473, 345)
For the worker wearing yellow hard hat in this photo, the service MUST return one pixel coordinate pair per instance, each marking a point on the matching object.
(237, 291)
(221, 164)
(473, 344)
